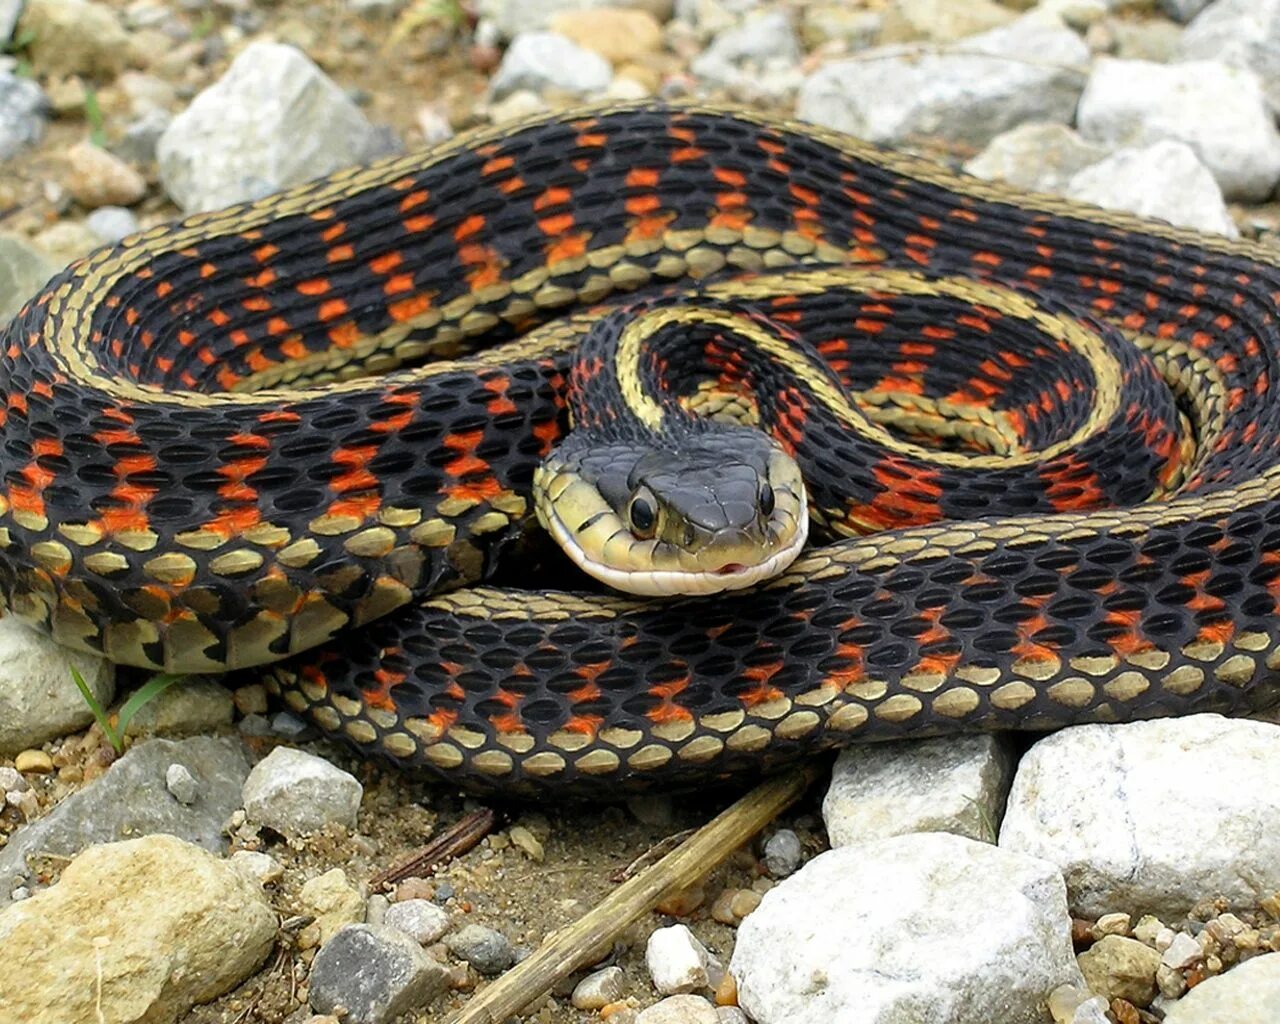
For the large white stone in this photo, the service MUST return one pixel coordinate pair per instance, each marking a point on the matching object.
(1247, 994)
(1031, 70)
(924, 927)
(1164, 180)
(949, 784)
(1243, 33)
(1219, 111)
(272, 120)
(1151, 817)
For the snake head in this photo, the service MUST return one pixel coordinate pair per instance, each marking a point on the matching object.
(712, 510)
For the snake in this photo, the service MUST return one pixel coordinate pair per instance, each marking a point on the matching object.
(307, 438)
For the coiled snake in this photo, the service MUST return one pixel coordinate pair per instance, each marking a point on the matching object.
(219, 451)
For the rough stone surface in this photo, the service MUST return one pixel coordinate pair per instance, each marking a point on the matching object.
(768, 36)
(1038, 156)
(272, 120)
(70, 37)
(1246, 994)
(184, 709)
(1031, 70)
(1219, 111)
(1243, 33)
(334, 901)
(421, 920)
(682, 1009)
(1121, 968)
(22, 272)
(376, 973)
(927, 926)
(1153, 816)
(547, 60)
(131, 799)
(678, 962)
(295, 793)
(599, 989)
(1164, 180)
(950, 784)
(134, 931)
(23, 106)
(38, 698)
(485, 949)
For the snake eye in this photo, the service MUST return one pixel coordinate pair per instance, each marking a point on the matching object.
(642, 515)
(766, 499)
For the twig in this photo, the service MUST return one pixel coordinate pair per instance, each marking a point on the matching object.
(659, 849)
(453, 842)
(564, 951)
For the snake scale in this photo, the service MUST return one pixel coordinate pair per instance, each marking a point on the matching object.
(229, 440)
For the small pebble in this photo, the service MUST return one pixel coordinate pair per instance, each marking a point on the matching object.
(181, 784)
(97, 178)
(415, 888)
(11, 781)
(731, 1015)
(679, 1009)
(420, 919)
(1147, 929)
(335, 902)
(485, 949)
(783, 853)
(261, 867)
(682, 902)
(599, 989)
(375, 974)
(1182, 952)
(678, 962)
(33, 762)
(1112, 924)
(251, 699)
(527, 843)
(112, 223)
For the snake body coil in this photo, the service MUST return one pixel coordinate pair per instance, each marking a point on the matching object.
(216, 453)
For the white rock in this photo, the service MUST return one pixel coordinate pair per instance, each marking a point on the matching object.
(181, 784)
(683, 1009)
(421, 920)
(599, 989)
(261, 867)
(1247, 994)
(1164, 180)
(295, 792)
(1219, 111)
(950, 784)
(1183, 951)
(736, 56)
(928, 926)
(273, 119)
(1243, 33)
(1142, 816)
(678, 962)
(547, 60)
(1027, 71)
(38, 698)
(1038, 156)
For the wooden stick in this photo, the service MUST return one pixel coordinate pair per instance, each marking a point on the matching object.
(453, 842)
(564, 951)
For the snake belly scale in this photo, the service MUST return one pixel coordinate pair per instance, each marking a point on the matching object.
(221, 448)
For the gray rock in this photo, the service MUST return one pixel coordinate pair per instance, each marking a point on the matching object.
(38, 697)
(600, 988)
(421, 920)
(538, 61)
(1219, 111)
(1183, 10)
(74, 37)
(1246, 994)
(9, 11)
(142, 136)
(783, 853)
(1242, 33)
(1147, 39)
(1139, 815)
(485, 949)
(1164, 180)
(22, 271)
(272, 120)
(1031, 70)
(295, 793)
(510, 18)
(927, 926)
(949, 784)
(181, 784)
(376, 973)
(23, 109)
(112, 223)
(190, 707)
(131, 799)
(1037, 156)
(738, 55)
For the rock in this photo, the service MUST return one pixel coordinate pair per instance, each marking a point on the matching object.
(1242, 33)
(131, 799)
(181, 784)
(96, 178)
(74, 37)
(527, 843)
(783, 853)
(66, 240)
(138, 930)
(295, 793)
(374, 972)
(509, 19)
(9, 12)
(39, 700)
(950, 784)
(334, 901)
(33, 762)
(1183, 10)
(1038, 156)
(1138, 816)
(1120, 968)
(23, 270)
(272, 120)
(1072, 1004)
(1182, 952)
(1246, 994)
(945, 21)
(187, 708)
(755, 61)
(1219, 111)
(928, 926)
(599, 989)
(839, 24)
(539, 61)
(731, 1015)
(485, 949)
(23, 109)
(1149, 39)
(1027, 71)
(1164, 180)
(616, 34)
(112, 223)
(678, 962)
(682, 1009)
(261, 867)
(421, 920)
(142, 136)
